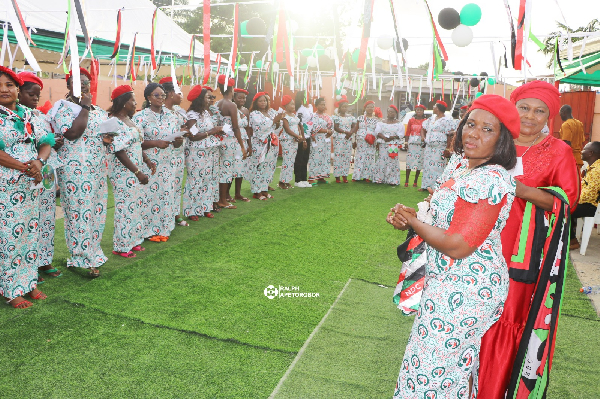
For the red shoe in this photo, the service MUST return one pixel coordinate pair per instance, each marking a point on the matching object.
(368, 181)
(138, 248)
(345, 179)
(406, 184)
(208, 215)
(337, 180)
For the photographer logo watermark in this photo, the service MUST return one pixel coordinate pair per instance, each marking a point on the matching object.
(292, 291)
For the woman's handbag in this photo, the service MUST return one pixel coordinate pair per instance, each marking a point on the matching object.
(409, 289)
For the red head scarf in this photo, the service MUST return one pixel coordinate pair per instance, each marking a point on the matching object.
(207, 88)
(442, 103)
(230, 81)
(377, 112)
(395, 108)
(167, 79)
(30, 77)
(286, 100)
(258, 95)
(195, 92)
(13, 75)
(367, 103)
(82, 71)
(542, 91)
(120, 90)
(236, 90)
(502, 109)
(421, 106)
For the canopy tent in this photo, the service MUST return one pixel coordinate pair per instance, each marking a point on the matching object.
(584, 67)
(47, 20)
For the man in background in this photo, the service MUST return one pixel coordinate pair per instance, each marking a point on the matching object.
(571, 132)
(590, 188)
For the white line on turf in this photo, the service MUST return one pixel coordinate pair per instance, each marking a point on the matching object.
(310, 337)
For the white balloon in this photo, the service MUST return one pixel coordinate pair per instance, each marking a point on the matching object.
(385, 42)
(243, 67)
(292, 26)
(338, 97)
(462, 35)
(343, 92)
(330, 52)
(275, 67)
(311, 61)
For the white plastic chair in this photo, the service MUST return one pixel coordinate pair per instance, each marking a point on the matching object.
(584, 230)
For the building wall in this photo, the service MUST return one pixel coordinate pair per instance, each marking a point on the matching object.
(596, 120)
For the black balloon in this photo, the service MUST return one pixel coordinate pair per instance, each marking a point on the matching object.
(449, 18)
(483, 74)
(474, 82)
(405, 44)
(256, 26)
(458, 74)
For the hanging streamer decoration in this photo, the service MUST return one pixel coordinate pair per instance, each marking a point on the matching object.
(437, 48)
(557, 54)
(206, 34)
(152, 38)
(234, 44)
(191, 59)
(513, 35)
(20, 22)
(115, 53)
(367, 16)
(22, 34)
(132, 70)
(518, 58)
(82, 24)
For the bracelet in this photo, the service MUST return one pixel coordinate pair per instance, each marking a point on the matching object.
(136, 172)
(42, 160)
(85, 107)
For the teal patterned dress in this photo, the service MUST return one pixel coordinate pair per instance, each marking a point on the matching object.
(462, 298)
(19, 206)
(342, 147)
(83, 187)
(159, 199)
(127, 190)
(178, 158)
(289, 149)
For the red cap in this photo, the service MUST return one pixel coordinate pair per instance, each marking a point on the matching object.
(236, 90)
(230, 81)
(208, 88)
(393, 106)
(367, 103)
(286, 100)
(464, 107)
(337, 104)
(421, 106)
(166, 79)
(502, 109)
(542, 91)
(30, 77)
(195, 92)
(442, 103)
(82, 71)
(120, 90)
(13, 75)
(258, 95)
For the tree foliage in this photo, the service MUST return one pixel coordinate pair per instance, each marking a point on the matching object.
(550, 41)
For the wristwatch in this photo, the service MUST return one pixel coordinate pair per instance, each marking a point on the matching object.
(42, 160)
(85, 106)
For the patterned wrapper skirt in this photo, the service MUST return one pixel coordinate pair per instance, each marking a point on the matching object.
(178, 165)
(262, 170)
(387, 169)
(83, 199)
(342, 155)
(414, 157)
(364, 160)
(46, 228)
(129, 208)
(289, 149)
(319, 161)
(227, 159)
(201, 180)
(240, 165)
(158, 193)
(433, 163)
(19, 236)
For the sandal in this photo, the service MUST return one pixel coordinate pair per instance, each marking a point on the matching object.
(124, 254)
(40, 295)
(259, 197)
(244, 199)
(96, 273)
(207, 215)
(269, 196)
(164, 238)
(368, 180)
(21, 304)
(138, 248)
(40, 280)
(179, 220)
(195, 218)
(51, 271)
(414, 184)
(406, 184)
(230, 206)
(155, 239)
(231, 200)
(270, 188)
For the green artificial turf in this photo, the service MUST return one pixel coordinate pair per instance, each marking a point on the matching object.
(188, 318)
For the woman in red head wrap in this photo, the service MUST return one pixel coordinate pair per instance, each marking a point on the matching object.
(364, 158)
(414, 155)
(345, 127)
(543, 161)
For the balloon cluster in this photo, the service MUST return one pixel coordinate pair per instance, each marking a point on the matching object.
(460, 23)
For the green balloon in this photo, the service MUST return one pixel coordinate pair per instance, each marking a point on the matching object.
(470, 14)
(479, 94)
(491, 81)
(259, 64)
(355, 55)
(320, 50)
(243, 30)
(307, 52)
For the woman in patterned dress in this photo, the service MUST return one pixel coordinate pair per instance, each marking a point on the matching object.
(467, 278)
(83, 175)
(263, 123)
(388, 132)
(156, 124)
(232, 140)
(414, 157)
(436, 135)
(172, 106)
(364, 160)
(345, 126)
(319, 161)
(201, 157)
(240, 165)
(126, 175)
(291, 135)
(24, 150)
(29, 96)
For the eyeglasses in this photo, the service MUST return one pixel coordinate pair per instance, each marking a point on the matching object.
(163, 96)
